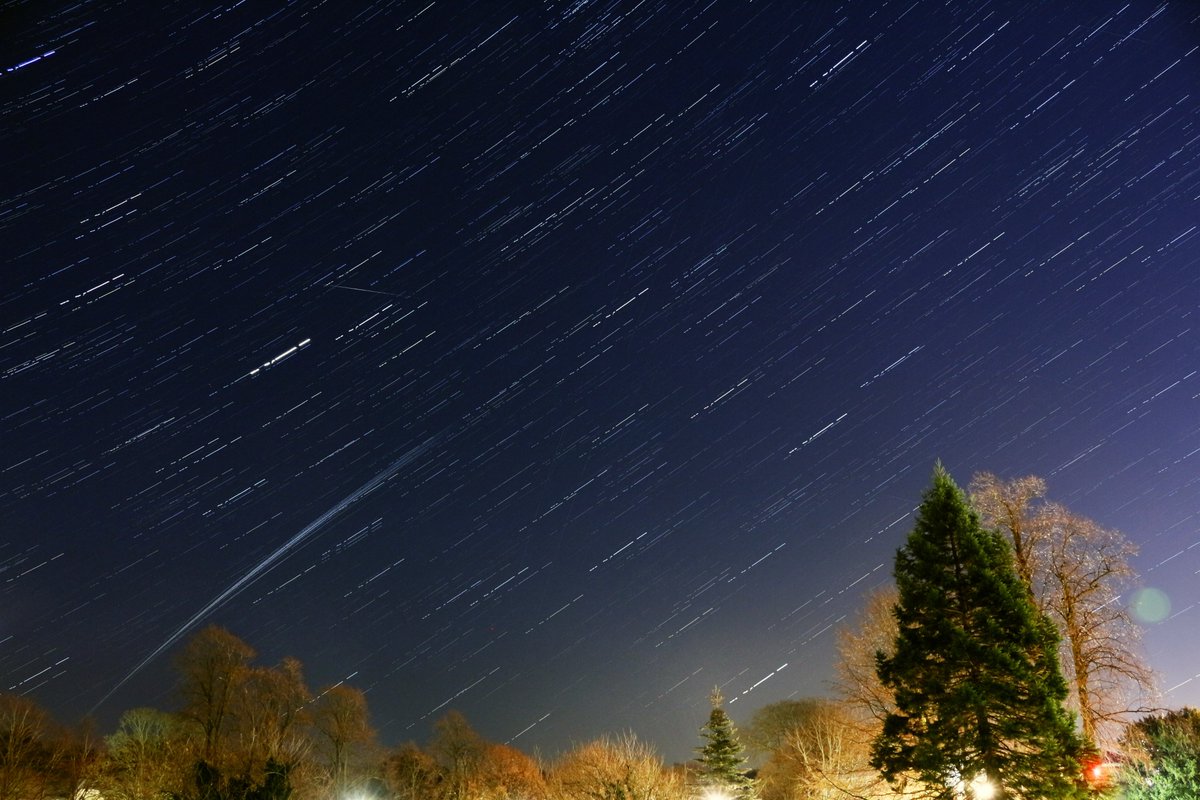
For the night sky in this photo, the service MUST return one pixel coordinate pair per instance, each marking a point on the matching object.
(558, 361)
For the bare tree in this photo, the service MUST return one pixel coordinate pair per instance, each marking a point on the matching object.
(211, 666)
(459, 751)
(340, 717)
(621, 768)
(269, 710)
(1075, 570)
(28, 757)
(824, 756)
(857, 681)
(145, 756)
(1086, 567)
(508, 774)
(769, 727)
(1010, 505)
(411, 773)
(82, 758)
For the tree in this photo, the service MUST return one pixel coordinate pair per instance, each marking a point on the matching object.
(340, 716)
(1166, 757)
(270, 710)
(508, 774)
(211, 666)
(411, 773)
(1075, 571)
(1008, 505)
(771, 725)
(143, 756)
(459, 751)
(722, 758)
(276, 782)
(1085, 568)
(857, 680)
(28, 755)
(865, 700)
(978, 689)
(82, 758)
(821, 755)
(621, 768)
(208, 782)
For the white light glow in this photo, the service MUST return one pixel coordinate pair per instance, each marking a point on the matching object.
(982, 788)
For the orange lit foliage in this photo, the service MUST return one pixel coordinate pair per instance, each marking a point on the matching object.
(508, 774)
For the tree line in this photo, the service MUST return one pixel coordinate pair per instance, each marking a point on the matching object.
(1000, 664)
(244, 731)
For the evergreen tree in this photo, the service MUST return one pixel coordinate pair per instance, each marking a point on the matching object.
(276, 784)
(722, 758)
(209, 783)
(978, 689)
(1166, 765)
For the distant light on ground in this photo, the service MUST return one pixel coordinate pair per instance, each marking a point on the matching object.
(982, 788)
(1150, 605)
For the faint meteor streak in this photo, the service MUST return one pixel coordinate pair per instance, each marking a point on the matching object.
(274, 557)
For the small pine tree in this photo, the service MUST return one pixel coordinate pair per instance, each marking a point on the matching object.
(978, 688)
(722, 757)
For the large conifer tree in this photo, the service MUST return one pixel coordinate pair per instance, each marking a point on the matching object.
(722, 758)
(977, 683)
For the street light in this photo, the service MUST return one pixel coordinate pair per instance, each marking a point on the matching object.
(982, 788)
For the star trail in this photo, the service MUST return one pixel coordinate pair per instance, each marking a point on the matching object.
(558, 361)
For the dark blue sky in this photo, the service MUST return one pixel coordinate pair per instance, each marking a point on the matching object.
(556, 362)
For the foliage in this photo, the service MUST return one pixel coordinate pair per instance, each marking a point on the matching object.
(865, 701)
(209, 783)
(252, 732)
(1165, 757)
(978, 690)
(722, 758)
